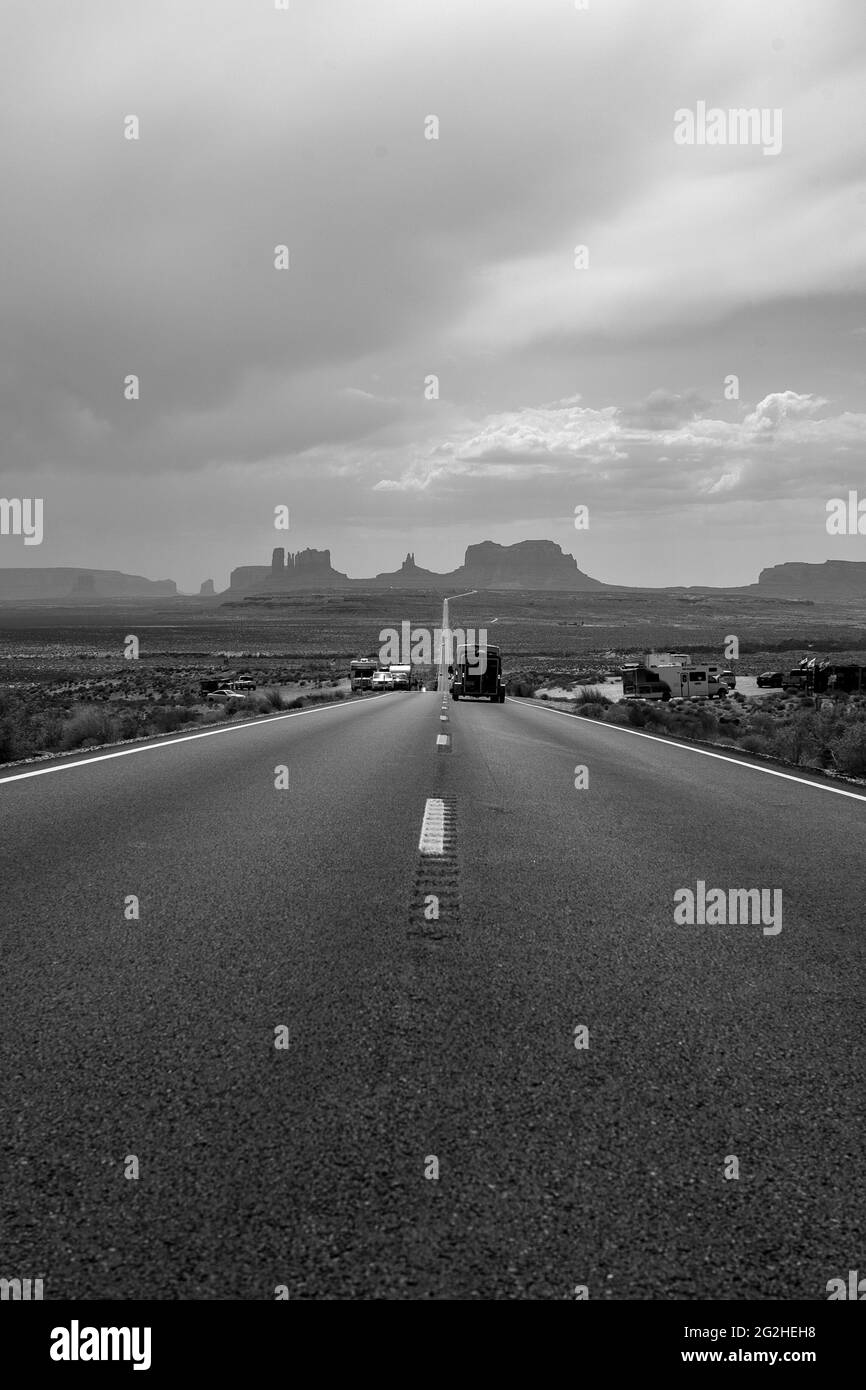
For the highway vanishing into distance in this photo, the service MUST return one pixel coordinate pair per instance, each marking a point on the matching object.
(304, 914)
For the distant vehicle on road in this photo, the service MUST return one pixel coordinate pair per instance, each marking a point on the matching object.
(361, 672)
(402, 677)
(382, 680)
(771, 679)
(477, 675)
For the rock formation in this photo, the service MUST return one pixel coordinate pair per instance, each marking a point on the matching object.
(87, 585)
(835, 581)
(526, 565)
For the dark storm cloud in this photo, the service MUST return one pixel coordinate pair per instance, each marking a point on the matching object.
(409, 257)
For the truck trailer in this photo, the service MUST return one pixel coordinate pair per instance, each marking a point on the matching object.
(477, 675)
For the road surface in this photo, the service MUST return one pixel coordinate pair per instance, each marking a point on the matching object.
(417, 1045)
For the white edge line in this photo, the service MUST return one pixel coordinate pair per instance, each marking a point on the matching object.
(706, 752)
(185, 738)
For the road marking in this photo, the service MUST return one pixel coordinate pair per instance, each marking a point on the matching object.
(185, 738)
(690, 748)
(442, 741)
(433, 827)
(443, 719)
(434, 905)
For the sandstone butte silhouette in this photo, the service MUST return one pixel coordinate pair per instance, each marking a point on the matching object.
(530, 565)
(526, 565)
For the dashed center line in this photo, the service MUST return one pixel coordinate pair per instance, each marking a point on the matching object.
(433, 827)
(434, 909)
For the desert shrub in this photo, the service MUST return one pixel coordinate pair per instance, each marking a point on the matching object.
(272, 699)
(701, 722)
(592, 709)
(762, 722)
(8, 740)
(128, 725)
(166, 718)
(753, 743)
(658, 715)
(297, 703)
(88, 725)
(522, 689)
(591, 695)
(799, 739)
(637, 715)
(47, 732)
(849, 751)
(616, 714)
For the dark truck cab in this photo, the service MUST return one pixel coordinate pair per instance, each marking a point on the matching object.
(477, 675)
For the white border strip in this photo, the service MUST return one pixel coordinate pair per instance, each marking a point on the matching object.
(184, 738)
(690, 748)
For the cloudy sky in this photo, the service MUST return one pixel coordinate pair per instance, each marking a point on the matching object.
(601, 384)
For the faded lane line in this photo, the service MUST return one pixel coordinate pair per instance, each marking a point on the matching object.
(184, 738)
(706, 752)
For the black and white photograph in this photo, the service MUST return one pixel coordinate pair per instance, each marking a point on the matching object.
(433, 667)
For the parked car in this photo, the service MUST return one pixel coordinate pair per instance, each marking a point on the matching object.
(244, 683)
(728, 678)
(771, 678)
(225, 697)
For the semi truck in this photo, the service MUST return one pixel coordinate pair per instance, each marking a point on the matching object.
(477, 675)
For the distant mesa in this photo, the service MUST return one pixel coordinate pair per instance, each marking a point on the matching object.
(525, 565)
(73, 585)
(308, 569)
(834, 581)
(207, 589)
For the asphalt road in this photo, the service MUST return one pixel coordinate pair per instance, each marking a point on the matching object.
(412, 1039)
